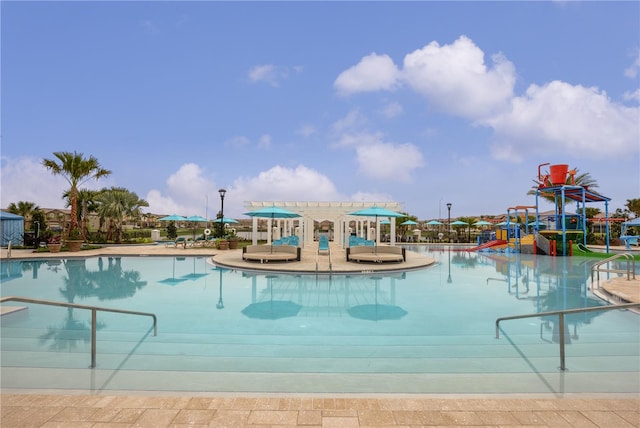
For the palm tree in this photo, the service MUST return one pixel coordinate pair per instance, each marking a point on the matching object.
(24, 209)
(76, 169)
(633, 205)
(87, 204)
(584, 180)
(119, 204)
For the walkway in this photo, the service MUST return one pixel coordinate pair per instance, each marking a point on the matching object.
(27, 408)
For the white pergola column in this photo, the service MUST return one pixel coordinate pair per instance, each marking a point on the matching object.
(392, 232)
(254, 230)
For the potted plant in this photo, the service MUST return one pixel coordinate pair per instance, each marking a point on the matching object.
(54, 244)
(233, 241)
(74, 240)
(222, 244)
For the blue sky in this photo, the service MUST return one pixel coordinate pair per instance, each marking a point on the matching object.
(422, 103)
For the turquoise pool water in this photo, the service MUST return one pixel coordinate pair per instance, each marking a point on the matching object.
(423, 331)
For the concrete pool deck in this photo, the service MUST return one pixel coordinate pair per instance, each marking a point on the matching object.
(29, 408)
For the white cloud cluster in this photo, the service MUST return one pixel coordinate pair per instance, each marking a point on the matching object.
(187, 189)
(456, 79)
(566, 119)
(376, 158)
(554, 117)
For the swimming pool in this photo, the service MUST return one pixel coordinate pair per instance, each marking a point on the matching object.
(424, 331)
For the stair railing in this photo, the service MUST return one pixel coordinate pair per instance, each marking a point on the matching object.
(93, 309)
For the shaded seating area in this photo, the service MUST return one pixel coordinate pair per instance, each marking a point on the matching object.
(288, 240)
(357, 241)
(376, 254)
(269, 253)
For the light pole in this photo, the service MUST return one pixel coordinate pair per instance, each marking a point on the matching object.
(222, 193)
(449, 222)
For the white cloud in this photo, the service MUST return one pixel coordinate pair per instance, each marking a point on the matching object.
(271, 74)
(562, 118)
(391, 162)
(632, 96)
(373, 73)
(185, 193)
(456, 79)
(286, 184)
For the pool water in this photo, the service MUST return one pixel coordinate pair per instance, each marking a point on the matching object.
(424, 331)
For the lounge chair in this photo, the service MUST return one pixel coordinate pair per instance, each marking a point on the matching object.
(179, 241)
(323, 244)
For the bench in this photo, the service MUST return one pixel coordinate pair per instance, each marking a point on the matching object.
(268, 253)
(378, 254)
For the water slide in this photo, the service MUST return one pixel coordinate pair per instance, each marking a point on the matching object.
(488, 245)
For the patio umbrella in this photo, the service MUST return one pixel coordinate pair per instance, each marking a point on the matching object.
(272, 212)
(173, 217)
(196, 219)
(408, 222)
(434, 223)
(225, 220)
(376, 212)
(459, 223)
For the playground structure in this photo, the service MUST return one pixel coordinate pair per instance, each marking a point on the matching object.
(555, 234)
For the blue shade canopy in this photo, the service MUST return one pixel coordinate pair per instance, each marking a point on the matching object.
(408, 223)
(173, 217)
(459, 223)
(633, 222)
(272, 212)
(385, 221)
(196, 218)
(482, 223)
(225, 220)
(375, 211)
(433, 223)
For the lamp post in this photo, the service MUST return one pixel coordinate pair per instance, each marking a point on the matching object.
(449, 222)
(222, 193)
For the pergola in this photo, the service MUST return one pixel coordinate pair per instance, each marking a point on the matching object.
(335, 212)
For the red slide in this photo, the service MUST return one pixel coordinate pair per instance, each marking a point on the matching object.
(488, 245)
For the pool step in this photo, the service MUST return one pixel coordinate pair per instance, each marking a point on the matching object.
(472, 354)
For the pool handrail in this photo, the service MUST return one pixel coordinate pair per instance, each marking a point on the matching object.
(93, 310)
(561, 315)
(630, 271)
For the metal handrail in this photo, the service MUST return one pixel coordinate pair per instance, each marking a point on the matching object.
(93, 310)
(630, 271)
(561, 315)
